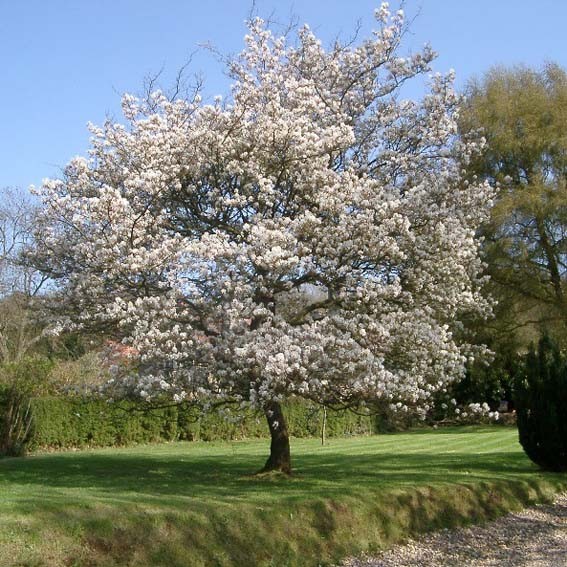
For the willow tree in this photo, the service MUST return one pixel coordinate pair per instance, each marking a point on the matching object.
(522, 113)
(308, 236)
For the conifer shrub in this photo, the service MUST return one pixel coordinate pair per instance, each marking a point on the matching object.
(541, 405)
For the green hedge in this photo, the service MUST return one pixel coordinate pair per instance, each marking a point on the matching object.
(72, 422)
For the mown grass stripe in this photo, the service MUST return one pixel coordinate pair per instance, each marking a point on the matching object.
(197, 503)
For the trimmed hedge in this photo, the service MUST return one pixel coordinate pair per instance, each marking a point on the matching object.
(74, 422)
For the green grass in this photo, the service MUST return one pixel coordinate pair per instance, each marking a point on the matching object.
(191, 504)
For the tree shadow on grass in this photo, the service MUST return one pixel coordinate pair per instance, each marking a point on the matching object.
(173, 506)
(205, 511)
(125, 475)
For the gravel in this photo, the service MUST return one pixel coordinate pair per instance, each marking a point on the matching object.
(534, 537)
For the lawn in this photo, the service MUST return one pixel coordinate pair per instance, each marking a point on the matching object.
(191, 504)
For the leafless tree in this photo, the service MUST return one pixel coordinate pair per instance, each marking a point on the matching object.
(20, 329)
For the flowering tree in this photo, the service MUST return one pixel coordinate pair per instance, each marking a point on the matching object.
(309, 236)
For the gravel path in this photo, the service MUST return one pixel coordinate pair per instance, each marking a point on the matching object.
(534, 537)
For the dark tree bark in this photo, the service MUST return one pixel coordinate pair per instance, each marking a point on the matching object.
(551, 260)
(280, 458)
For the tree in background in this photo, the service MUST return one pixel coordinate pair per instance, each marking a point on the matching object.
(19, 283)
(310, 236)
(523, 115)
(22, 372)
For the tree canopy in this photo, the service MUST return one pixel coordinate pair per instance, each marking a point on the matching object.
(523, 115)
(310, 235)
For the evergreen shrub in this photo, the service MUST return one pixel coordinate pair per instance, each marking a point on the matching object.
(541, 405)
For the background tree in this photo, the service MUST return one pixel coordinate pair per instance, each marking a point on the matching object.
(18, 219)
(20, 283)
(523, 113)
(22, 372)
(309, 236)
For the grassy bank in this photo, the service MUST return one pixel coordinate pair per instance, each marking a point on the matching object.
(197, 504)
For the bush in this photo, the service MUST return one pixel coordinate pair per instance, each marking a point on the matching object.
(82, 422)
(19, 382)
(541, 405)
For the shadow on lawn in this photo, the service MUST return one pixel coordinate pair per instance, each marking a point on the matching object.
(177, 509)
(192, 476)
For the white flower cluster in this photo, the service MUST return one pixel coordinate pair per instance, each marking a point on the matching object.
(476, 410)
(310, 235)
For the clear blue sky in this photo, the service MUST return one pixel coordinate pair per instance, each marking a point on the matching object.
(65, 62)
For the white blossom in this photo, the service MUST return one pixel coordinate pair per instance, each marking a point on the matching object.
(308, 235)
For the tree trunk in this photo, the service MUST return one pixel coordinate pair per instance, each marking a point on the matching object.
(551, 260)
(280, 458)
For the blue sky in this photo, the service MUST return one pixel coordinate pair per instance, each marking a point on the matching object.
(65, 62)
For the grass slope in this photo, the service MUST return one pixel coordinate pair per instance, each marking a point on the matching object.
(192, 504)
